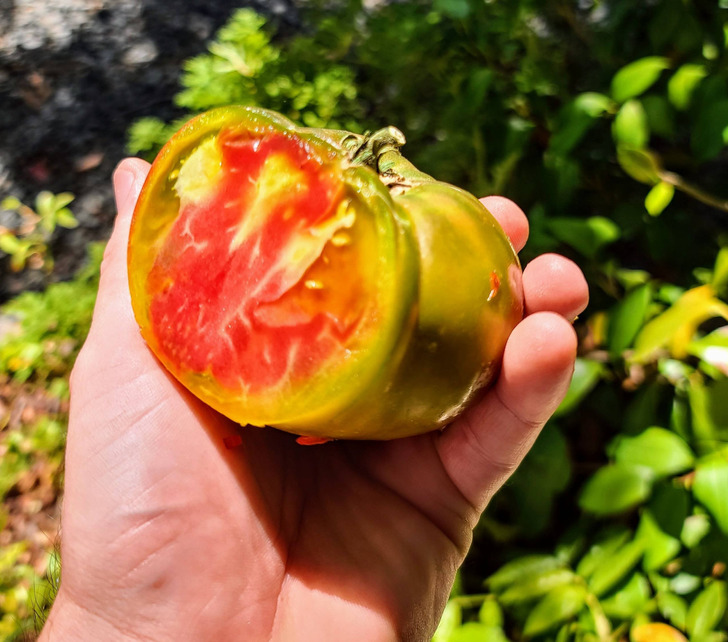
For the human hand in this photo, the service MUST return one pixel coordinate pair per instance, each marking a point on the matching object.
(169, 535)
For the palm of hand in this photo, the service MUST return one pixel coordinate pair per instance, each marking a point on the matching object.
(169, 535)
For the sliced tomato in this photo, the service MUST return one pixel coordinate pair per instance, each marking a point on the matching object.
(268, 276)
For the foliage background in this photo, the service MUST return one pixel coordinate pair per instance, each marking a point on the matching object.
(608, 123)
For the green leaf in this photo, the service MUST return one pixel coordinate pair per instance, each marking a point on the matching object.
(658, 198)
(685, 583)
(707, 609)
(629, 600)
(587, 374)
(641, 164)
(670, 506)
(45, 204)
(62, 200)
(451, 619)
(720, 271)
(536, 586)
(605, 546)
(11, 203)
(676, 327)
(9, 243)
(558, 606)
(66, 219)
(630, 125)
(709, 132)
(660, 548)
(521, 569)
(710, 488)
(695, 528)
(478, 632)
(712, 349)
(490, 613)
(637, 77)
(458, 9)
(683, 83)
(709, 413)
(627, 317)
(587, 236)
(616, 488)
(660, 116)
(673, 608)
(658, 449)
(575, 119)
(616, 567)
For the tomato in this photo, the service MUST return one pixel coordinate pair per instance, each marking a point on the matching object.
(315, 281)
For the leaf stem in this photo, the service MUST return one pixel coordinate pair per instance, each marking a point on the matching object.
(678, 182)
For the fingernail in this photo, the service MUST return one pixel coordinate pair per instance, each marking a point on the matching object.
(123, 183)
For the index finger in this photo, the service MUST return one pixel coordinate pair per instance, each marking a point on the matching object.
(511, 219)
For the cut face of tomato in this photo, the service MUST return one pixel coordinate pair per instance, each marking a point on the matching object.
(265, 279)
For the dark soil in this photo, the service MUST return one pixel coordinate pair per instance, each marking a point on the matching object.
(74, 74)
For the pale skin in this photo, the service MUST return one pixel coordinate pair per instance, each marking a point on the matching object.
(169, 535)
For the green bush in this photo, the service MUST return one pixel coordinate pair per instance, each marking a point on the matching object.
(607, 122)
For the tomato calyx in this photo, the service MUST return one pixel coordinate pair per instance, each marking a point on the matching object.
(380, 151)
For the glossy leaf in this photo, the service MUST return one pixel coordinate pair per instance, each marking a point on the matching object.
(642, 165)
(587, 236)
(673, 608)
(707, 609)
(490, 613)
(559, 605)
(720, 271)
(711, 488)
(683, 83)
(600, 550)
(627, 317)
(695, 528)
(630, 125)
(616, 567)
(685, 583)
(658, 449)
(616, 488)
(637, 77)
(630, 599)
(658, 198)
(676, 327)
(451, 619)
(521, 569)
(587, 374)
(536, 586)
(712, 349)
(709, 409)
(477, 632)
(660, 547)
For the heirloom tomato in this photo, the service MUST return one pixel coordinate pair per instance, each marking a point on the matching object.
(315, 281)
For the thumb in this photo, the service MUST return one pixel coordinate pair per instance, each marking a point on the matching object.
(114, 332)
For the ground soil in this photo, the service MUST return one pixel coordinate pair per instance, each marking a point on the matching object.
(74, 74)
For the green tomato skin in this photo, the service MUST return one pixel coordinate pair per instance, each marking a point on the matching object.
(455, 292)
(460, 324)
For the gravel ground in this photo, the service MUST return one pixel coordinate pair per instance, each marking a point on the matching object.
(74, 74)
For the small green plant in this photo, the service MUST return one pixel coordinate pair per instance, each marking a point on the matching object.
(46, 329)
(245, 67)
(27, 244)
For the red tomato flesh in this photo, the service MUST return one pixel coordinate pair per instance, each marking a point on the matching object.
(258, 281)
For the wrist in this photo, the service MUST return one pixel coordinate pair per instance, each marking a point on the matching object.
(71, 621)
